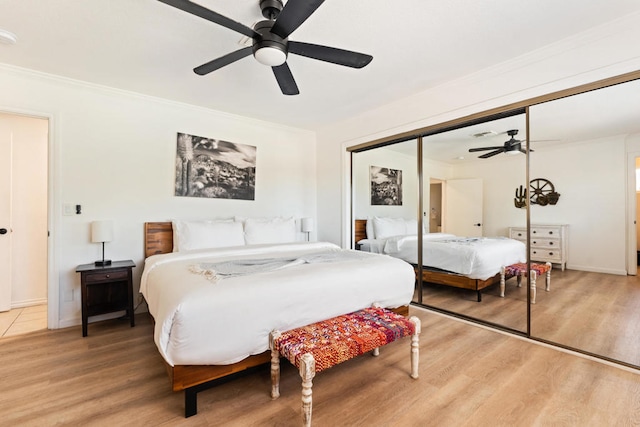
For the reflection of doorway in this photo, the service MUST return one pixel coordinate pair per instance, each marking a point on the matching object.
(463, 207)
(435, 206)
(23, 190)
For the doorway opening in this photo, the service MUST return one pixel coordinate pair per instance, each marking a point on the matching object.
(24, 177)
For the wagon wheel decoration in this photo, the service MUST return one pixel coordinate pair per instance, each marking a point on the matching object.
(542, 193)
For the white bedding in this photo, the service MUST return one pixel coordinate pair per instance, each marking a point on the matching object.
(476, 258)
(204, 322)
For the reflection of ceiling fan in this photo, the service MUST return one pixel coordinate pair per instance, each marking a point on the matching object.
(512, 146)
(270, 39)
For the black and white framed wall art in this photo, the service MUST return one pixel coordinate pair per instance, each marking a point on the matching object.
(211, 168)
(386, 186)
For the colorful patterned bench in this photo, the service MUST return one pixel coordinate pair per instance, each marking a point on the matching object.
(321, 345)
(520, 270)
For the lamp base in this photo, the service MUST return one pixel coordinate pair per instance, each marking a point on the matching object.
(103, 263)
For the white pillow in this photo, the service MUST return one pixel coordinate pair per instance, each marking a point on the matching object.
(369, 228)
(269, 230)
(207, 234)
(387, 227)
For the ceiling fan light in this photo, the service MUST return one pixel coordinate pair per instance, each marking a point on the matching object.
(271, 56)
(512, 152)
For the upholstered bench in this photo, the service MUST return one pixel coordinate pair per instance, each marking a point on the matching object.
(321, 345)
(520, 270)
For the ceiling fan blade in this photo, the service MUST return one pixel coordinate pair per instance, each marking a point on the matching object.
(285, 79)
(222, 61)
(330, 54)
(471, 150)
(293, 14)
(491, 154)
(209, 15)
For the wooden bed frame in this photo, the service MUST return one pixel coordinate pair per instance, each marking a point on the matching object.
(158, 239)
(436, 276)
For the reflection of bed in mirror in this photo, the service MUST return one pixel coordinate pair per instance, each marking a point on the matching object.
(208, 328)
(467, 263)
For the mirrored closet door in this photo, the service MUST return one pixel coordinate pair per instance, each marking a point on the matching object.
(385, 198)
(582, 145)
(472, 175)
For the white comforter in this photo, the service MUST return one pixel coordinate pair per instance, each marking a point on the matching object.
(474, 257)
(206, 322)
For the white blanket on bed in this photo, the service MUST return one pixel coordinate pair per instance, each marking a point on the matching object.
(199, 322)
(475, 257)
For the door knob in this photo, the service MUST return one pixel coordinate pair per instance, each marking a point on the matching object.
(477, 225)
(3, 231)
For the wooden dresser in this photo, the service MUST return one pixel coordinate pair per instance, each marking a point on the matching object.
(549, 242)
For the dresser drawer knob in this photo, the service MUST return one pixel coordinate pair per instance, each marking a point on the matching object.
(550, 243)
(107, 276)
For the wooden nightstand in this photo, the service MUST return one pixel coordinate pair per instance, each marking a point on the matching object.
(106, 289)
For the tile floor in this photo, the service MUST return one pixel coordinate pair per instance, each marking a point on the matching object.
(23, 320)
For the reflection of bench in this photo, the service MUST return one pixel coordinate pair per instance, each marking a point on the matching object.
(322, 345)
(520, 270)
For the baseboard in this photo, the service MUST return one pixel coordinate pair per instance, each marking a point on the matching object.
(595, 270)
(28, 303)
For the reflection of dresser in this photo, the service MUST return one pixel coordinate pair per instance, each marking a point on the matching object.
(548, 242)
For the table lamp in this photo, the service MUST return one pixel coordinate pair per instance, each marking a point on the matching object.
(307, 226)
(101, 232)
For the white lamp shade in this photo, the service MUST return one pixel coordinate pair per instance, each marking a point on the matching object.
(101, 231)
(307, 225)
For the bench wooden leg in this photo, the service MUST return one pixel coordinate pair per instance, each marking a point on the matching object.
(415, 347)
(307, 372)
(502, 281)
(532, 278)
(275, 366)
(548, 283)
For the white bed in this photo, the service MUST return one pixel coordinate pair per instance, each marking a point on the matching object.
(200, 321)
(476, 257)
(469, 263)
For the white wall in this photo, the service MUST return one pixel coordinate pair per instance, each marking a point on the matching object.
(114, 153)
(387, 158)
(606, 51)
(591, 179)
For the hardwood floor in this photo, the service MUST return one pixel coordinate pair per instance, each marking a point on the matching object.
(23, 320)
(469, 376)
(593, 312)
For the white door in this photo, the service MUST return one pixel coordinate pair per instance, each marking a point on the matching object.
(5, 215)
(633, 207)
(463, 207)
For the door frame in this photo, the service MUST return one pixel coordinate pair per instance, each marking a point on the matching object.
(632, 263)
(53, 217)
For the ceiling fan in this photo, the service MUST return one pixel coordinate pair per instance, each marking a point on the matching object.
(512, 146)
(270, 39)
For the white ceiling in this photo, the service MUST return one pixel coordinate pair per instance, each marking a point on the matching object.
(610, 112)
(148, 47)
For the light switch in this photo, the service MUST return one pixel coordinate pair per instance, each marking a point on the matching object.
(68, 209)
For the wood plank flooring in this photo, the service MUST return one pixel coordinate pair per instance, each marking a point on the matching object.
(469, 376)
(22, 320)
(593, 312)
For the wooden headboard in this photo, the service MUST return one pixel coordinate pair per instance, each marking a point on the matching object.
(158, 238)
(360, 230)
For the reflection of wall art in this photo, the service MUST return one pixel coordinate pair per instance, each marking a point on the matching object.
(207, 167)
(543, 193)
(386, 186)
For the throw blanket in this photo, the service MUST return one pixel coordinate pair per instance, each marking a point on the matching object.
(221, 270)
